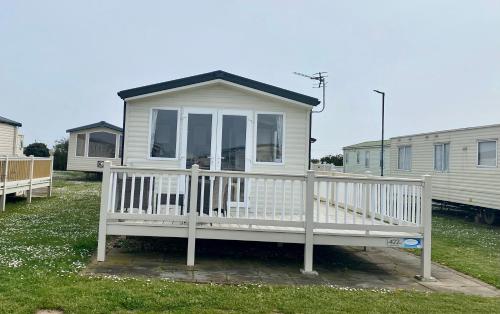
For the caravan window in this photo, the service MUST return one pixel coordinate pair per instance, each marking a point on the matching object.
(404, 157)
(441, 157)
(269, 138)
(80, 144)
(102, 144)
(487, 153)
(163, 133)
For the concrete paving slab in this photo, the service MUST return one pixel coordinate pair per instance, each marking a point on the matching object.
(252, 262)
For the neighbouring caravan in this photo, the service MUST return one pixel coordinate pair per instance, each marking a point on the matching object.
(365, 158)
(90, 145)
(463, 164)
(11, 141)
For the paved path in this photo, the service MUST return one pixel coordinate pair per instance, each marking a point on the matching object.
(248, 262)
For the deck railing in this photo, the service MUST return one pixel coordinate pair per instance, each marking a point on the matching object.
(258, 200)
(18, 174)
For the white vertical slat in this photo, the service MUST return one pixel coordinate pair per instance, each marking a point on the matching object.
(274, 199)
(221, 184)
(177, 196)
(265, 198)
(167, 212)
(110, 192)
(256, 181)
(364, 201)
(336, 202)
(186, 195)
(158, 200)
(318, 200)
(150, 195)
(283, 200)
(328, 190)
(238, 191)
(302, 203)
(419, 205)
(229, 188)
(202, 196)
(113, 196)
(346, 195)
(132, 192)
(355, 202)
(211, 199)
(413, 198)
(248, 190)
(122, 199)
(141, 194)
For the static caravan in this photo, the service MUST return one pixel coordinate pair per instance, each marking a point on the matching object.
(463, 164)
(365, 158)
(90, 145)
(220, 156)
(11, 141)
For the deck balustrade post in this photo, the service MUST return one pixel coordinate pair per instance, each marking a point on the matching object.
(309, 225)
(30, 192)
(193, 202)
(105, 188)
(427, 226)
(4, 188)
(51, 172)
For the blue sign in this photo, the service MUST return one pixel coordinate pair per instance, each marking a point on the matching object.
(412, 244)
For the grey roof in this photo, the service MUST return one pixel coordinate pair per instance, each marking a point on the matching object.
(101, 124)
(9, 121)
(219, 75)
(368, 144)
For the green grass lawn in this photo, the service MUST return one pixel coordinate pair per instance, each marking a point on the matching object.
(44, 245)
(466, 246)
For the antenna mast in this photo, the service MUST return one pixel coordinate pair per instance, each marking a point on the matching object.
(320, 79)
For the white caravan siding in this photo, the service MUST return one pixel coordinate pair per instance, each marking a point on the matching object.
(352, 166)
(7, 139)
(218, 96)
(83, 163)
(465, 182)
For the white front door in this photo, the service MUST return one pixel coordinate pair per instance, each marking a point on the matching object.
(216, 139)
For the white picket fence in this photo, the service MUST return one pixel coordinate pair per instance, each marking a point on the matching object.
(251, 200)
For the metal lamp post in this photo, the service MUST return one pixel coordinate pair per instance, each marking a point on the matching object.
(382, 142)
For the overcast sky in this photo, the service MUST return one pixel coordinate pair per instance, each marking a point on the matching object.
(62, 62)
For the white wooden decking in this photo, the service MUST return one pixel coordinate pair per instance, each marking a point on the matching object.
(24, 174)
(318, 210)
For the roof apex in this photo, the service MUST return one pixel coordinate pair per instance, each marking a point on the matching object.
(218, 75)
(100, 124)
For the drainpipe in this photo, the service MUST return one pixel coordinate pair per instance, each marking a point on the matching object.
(122, 144)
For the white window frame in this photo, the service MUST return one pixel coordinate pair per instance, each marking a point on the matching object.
(496, 152)
(84, 144)
(254, 145)
(411, 158)
(434, 157)
(367, 159)
(177, 135)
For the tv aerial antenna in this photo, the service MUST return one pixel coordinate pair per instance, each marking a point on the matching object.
(320, 82)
